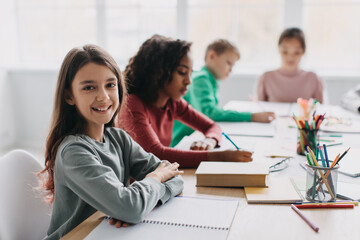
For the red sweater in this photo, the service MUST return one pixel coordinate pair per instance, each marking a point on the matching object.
(152, 128)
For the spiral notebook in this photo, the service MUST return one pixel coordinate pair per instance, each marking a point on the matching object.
(180, 218)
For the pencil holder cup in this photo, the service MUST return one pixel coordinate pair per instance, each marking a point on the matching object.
(321, 183)
(305, 138)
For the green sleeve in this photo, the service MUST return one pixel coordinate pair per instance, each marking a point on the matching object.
(203, 98)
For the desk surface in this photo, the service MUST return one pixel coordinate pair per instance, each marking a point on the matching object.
(268, 221)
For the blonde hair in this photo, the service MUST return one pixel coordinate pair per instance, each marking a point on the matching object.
(220, 46)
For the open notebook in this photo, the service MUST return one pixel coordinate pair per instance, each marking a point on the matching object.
(180, 218)
(252, 129)
(280, 109)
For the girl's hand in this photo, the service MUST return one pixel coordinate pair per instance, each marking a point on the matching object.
(264, 117)
(231, 156)
(165, 171)
(118, 223)
(205, 144)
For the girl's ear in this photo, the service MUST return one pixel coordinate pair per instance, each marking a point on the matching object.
(69, 98)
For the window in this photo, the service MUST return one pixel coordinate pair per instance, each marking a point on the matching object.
(333, 34)
(130, 23)
(48, 29)
(253, 26)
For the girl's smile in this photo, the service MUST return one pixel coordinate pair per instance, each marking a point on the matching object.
(94, 93)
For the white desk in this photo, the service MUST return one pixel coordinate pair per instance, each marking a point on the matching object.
(270, 221)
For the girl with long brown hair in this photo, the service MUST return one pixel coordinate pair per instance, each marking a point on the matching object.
(88, 163)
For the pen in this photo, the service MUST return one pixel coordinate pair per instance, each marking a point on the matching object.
(315, 228)
(306, 206)
(225, 135)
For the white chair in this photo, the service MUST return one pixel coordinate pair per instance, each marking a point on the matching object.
(23, 213)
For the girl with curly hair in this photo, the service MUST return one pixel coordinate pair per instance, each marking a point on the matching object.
(88, 162)
(158, 76)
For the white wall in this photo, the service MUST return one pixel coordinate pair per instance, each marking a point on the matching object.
(8, 33)
(32, 97)
(7, 135)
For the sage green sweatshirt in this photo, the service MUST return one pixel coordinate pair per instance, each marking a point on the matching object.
(91, 175)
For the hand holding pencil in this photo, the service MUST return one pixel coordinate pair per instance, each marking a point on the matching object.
(237, 155)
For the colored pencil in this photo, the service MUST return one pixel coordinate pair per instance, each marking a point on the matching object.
(334, 144)
(227, 137)
(326, 155)
(306, 206)
(356, 203)
(321, 173)
(342, 155)
(315, 228)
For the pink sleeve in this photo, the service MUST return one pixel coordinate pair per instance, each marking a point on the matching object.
(319, 89)
(197, 120)
(261, 93)
(136, 123)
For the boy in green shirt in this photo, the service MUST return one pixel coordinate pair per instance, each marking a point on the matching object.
(220, 57)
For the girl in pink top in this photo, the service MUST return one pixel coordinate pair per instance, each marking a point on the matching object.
(158, 76)
(289, 83)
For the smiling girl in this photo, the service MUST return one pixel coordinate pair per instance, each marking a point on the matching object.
(158, 77)
(289, 83)
(88, 163)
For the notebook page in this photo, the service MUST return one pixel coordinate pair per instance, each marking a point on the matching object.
(196, 211)
(205, 219)
(248, 128)
(280, 109)
(154, 231)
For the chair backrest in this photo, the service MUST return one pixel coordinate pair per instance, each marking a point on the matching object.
(23, 213)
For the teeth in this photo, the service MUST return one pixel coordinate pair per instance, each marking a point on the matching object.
(101, 109)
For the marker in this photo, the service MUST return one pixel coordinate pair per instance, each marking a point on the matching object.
(230, 140)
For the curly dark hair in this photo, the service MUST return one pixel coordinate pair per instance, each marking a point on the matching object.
(152, 66)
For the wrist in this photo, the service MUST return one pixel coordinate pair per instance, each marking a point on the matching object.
(154, 176)
(213, 156)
